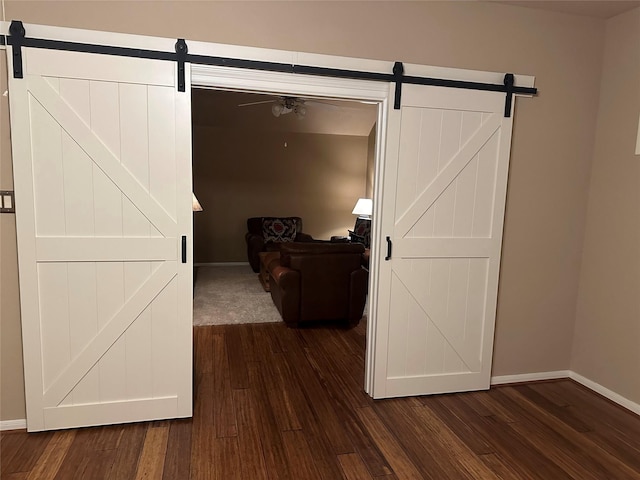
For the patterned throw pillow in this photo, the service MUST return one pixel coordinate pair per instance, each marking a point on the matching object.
(279, 229)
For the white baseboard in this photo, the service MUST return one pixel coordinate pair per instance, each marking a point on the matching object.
(530, 377)
(605, 392)
(13, 424)
(590, 384)
(221, 264)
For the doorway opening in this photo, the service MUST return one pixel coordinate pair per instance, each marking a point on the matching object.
(271, 85)
(313, 162)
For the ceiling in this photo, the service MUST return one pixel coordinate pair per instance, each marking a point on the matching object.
(219, 109)
(589, 8)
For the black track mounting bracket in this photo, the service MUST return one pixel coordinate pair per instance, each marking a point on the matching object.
(16, 29)
(181, 54)
(509, 80)
(398, 72)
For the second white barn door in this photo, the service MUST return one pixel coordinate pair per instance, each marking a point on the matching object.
(442, 212)
(102, 167)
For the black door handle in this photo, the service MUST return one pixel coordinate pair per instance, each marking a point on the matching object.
(389, 246)
(184, 249)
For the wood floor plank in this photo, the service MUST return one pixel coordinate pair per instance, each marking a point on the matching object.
(97, 464)
(202, 429)
(128, 451)
(238, 375)
(319, 442)
(26, 457)
(502, 440)
(224, 417)
(347, 341)
(346, 397)
(49, 462)
(87, 446)
(278, 381)
(579, 395)
(484, 404)
(500, 467)
(451, 450)
(266, 340)
(10, 443)
(261, 343)
(366, 448)
(549, 389)
(249, 442)
(563, 414)
(417, 442)
(527, 460)
(300, 413)
(202, 350)
(248, 346)
(353, 467)
(565, 454)
(226, 459)
(299, 456)
(177, 461)
(461, 428)
(108, 437)
(273, 448)
(335, 367)
(617, 447)
(320, 403)
(601, 413)
(245, 407)
(250, 450)
(402, 466)
(16, 476)
(332, 380)
(570, 449)
(155, 447)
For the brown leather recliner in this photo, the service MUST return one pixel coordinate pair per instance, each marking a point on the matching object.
(319, 281)
(256, 241)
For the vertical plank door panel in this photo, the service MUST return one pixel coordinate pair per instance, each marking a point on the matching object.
(437, 293)
(105, 143)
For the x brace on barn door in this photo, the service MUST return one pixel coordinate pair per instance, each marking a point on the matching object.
(17, 39)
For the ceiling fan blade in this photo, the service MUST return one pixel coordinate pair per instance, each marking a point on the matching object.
(256, 103)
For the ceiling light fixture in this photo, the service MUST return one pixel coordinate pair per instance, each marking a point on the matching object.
(285, 105)
(277, 109)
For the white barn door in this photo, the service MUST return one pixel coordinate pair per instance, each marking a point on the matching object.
(102, 168)
(442, 208)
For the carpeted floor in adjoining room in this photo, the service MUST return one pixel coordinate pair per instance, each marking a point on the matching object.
(227, 295)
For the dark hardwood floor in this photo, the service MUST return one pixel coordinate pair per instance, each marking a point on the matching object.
(277, 403)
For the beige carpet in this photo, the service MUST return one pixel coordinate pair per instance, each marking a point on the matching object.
(229, 295)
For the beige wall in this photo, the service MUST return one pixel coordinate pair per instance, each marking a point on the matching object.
(371, 162)
(607, 336)
(552, 139)
(241, 173)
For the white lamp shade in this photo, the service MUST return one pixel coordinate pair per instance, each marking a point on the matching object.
(196, 204)
(363, 208)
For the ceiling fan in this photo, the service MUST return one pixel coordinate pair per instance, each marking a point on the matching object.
(284, 105)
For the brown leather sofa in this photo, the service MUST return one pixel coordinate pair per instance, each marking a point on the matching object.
(319, 281)
(258, 238)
